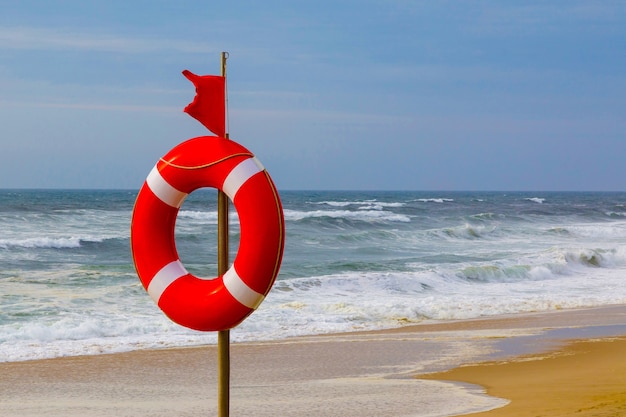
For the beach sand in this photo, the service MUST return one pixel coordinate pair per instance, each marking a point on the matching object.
(584, 379)
(353, 374)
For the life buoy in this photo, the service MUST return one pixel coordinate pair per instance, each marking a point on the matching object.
(225, 301)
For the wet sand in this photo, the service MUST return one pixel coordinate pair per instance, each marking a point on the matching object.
(352, 374)
(585, 379)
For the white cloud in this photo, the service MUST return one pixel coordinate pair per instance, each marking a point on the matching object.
(90, 106)
(32, 38)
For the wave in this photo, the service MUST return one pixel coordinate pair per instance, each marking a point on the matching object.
(435, 200)
(354, 261)
(595, 258)
(365, 213)
(358, 203)
(41, 242)
(49, 242)
(91, 335)
(362, 299)
(361, 215)
(486, 216)
(495, 273)
(537, 200)
(557, 262)
(358, 300)
(559, 231)
(613, 230)
(209, 216)
(466, 231)
(362, 205)
(617, 214)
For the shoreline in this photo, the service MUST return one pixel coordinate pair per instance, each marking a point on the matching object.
(360, 373)
(585, 378)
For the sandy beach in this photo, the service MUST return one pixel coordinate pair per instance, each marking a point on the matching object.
(528, 364)
(585, 378)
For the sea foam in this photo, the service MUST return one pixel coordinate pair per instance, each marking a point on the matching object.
(352, 261)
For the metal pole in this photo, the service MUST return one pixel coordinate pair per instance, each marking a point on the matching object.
(223, 337)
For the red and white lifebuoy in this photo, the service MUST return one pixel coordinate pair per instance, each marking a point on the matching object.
(225, 301)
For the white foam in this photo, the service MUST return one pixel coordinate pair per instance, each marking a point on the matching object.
(361, 204)
(435, 200)
(304, 306)
(206, 216)
(535, 199)
(388, 268)
(46, 242)
(362, 215)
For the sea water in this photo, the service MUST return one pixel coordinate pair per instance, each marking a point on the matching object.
(353, 261)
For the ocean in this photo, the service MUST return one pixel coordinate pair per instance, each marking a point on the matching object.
(354, 260)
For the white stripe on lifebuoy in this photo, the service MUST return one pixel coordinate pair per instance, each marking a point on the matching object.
(163, 190)
(240, 290)
(240, 174)
(164, 278)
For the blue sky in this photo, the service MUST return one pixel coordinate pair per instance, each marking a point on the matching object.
(403, 95)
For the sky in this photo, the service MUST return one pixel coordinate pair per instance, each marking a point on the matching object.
(346, 95)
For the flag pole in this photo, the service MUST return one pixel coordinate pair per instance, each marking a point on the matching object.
(223, 336)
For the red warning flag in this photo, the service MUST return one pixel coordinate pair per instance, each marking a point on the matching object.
(209, 104)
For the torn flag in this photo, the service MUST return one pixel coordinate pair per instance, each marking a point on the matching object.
(209, 104)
